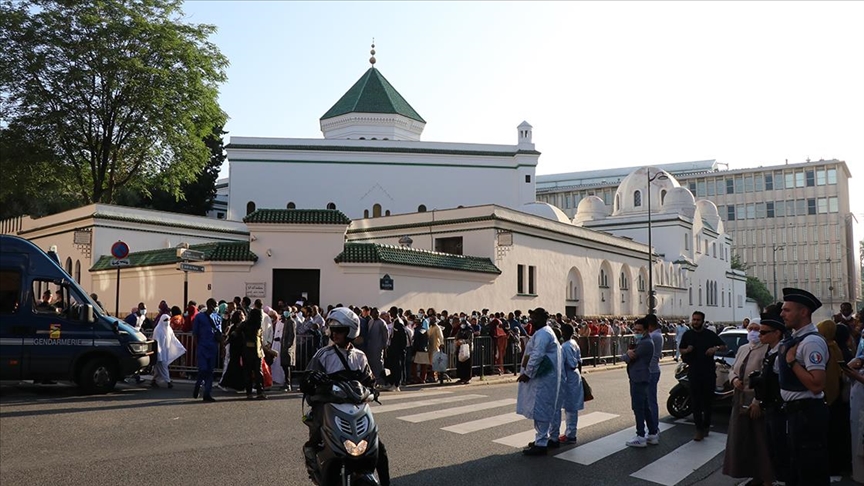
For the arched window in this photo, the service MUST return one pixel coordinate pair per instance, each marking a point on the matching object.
(331, 205)
(78, 271)
(663, 197)
(250, 207)
(365, 213)
(387, 213)
(421, 208)
(376, 211)
(617, 202)
(604, 279)
(637, 198)
(69, 265)
(291, 205)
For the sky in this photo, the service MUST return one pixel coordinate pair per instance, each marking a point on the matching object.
(604, 84)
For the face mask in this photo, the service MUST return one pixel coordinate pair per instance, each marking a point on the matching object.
(753, 336)
(286, 314)
(142, 311)
(637, 337)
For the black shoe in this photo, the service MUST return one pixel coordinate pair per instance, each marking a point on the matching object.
(170, 385)
(196, 391)
(248, 396)
(553, 444)
(261, 396)
(153, 384)
(209, 398)
(534, 451)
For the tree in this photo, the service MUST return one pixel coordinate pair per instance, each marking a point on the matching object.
(757, 291)
(119, 93)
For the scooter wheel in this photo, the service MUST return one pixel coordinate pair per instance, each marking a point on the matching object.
(678, 404)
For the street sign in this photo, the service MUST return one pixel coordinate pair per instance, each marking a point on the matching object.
(386, 283)
(120, 262)
(188, 267)
(192, 255)
(119, 250)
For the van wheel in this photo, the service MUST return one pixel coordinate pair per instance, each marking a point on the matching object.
(98, 376)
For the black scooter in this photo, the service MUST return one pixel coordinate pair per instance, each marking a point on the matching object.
(350, 449)
(679, 405)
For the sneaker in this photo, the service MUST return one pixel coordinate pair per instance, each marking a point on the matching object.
(563, 439)
(637, 442)
(170, 385)
(652, 439)
(153, 384)
(209, 398)
(553, 444)
(261, 396)
(196, 391)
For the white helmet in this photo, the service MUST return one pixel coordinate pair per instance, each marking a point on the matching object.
(344, 317)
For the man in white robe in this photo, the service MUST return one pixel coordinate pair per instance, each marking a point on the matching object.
(169, 348)
(540, 382)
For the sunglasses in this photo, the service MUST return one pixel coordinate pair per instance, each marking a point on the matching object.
(766, 332)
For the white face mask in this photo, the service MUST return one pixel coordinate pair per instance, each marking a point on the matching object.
(753, 337)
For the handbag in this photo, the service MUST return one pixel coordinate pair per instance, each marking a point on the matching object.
(464, 352)
(586, 389)
(439, 362)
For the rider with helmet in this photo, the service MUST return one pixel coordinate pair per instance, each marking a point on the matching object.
(340, 361)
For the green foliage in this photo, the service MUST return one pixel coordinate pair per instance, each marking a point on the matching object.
(757, 291)
(737, 264)
(116, 94)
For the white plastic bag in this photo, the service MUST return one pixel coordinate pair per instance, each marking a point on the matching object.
(464, 352)
(439, 362)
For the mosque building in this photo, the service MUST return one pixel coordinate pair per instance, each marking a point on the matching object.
(379, 241)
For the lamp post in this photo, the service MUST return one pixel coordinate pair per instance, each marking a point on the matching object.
(661, 176)
(774, 250)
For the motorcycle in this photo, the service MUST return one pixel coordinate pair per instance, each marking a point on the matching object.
(679, 405)
(349, 453)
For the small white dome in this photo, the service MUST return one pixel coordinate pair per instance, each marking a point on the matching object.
(590, 208)
(679, 200)
(631, 196)
(708, 212)
(545, 210)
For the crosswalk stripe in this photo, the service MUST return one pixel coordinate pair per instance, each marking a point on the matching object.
(389, 397)
(683, 461)
(587, 420)
(594, 451)
(484, 423)
(450, 412)
(423, 403)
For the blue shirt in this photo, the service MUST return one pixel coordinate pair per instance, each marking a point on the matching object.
(203, 331)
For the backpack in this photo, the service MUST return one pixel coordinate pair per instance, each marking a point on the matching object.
(421, 341)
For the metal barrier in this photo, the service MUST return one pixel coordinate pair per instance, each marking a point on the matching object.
(595, 350)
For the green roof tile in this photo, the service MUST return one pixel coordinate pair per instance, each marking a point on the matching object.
(397, 255)
(297, 216)
(234, 251)
(372, 93)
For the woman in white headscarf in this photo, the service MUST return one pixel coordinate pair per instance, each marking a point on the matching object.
(168, 349)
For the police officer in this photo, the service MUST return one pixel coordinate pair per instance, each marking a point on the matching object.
(767, 387)
(800, 365)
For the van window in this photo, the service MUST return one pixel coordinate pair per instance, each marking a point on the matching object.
(60, 300)
(10, 291)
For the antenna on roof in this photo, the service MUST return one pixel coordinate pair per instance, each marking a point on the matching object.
(372, 59)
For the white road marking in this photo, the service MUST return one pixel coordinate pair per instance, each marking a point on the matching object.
(388, 397)
(523, 438)
(683, 461)
(423, 403)
(484, 423)
(450, 412)
(594, 451)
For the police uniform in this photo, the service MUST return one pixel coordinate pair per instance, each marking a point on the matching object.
(806, 412)
(770, 401)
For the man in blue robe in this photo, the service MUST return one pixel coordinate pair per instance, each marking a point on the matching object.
(207, 330)
(540, 382)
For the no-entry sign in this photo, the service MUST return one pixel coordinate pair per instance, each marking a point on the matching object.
(120, 250)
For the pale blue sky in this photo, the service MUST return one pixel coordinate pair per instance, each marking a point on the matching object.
(605, 84)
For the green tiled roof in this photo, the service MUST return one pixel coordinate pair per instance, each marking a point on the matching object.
(397, 255)
(297, 216)
(234, 251)
(372, 93)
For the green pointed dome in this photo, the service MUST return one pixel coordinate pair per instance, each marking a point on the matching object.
(372, 93)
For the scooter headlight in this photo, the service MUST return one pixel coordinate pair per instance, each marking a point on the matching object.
(355, 449)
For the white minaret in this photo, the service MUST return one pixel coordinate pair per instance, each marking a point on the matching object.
(525, 136)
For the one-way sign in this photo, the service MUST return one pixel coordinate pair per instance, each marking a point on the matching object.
(188, 267)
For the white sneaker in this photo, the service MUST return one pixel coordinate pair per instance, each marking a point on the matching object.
(637, 442)
(652, 439)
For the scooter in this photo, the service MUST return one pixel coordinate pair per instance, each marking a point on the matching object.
(679, 405)
(349, 452)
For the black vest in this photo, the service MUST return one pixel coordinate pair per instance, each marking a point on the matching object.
(788, 380)
(769, 393)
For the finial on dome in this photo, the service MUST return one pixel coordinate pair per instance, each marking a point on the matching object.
(372, 59)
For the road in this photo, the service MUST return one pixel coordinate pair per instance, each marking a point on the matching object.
(53, 435)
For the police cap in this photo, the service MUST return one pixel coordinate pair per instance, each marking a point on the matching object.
(801, 297)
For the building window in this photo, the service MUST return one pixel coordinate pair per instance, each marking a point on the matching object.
(810, 178)
(822, 205)
(730, 186)
(637, 198)
(700, 295)
(757, 182)
(769, 182)
(760, 210)
(452, 245)
(78, 271)
(800, 207)
(331, 205)
(711, 187)
(421, 208)
(769, 209)
(365, 213)
(730, 213)
(739, 185)
(387, 213)
(663, 197)
(520, 279)
(714, 249)
(751, 211)
(700, 189)
(291, 205)
(820, 177)
(811, 206)
(832, 206)
(832, 176)
(532, 278)
(741, 211)
(624, 284)
(527, 178)
(376, 210)
(748, 183)
(690, 295)
(250, 207)
(686, 241)
(799, 179)
(603, 281)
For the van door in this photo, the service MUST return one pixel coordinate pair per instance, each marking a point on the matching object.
(55, 334)
(12, 331)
